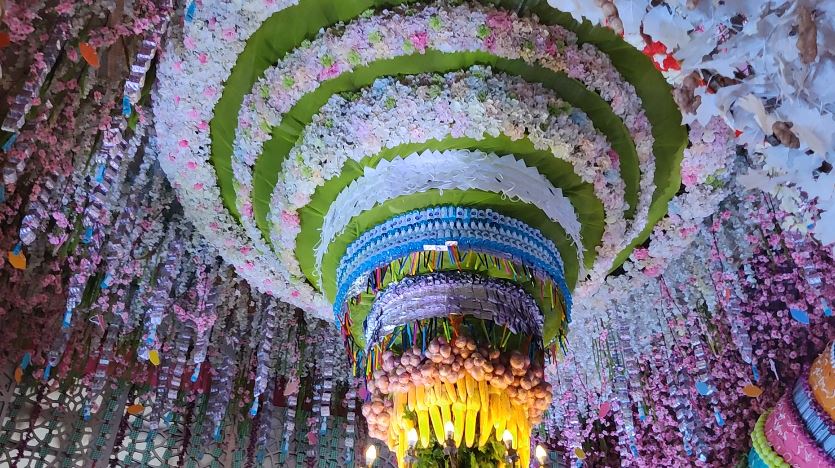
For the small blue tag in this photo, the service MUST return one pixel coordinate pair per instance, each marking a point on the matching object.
(88, 235)
(190, 10)
(8, 144)
(67, 319)
(800, 315)
(27, 358)
(126, 106)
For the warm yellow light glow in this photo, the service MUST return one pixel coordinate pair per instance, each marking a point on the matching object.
(449, 429)
(370, 455)
(507, 437)
(541, 454)
(412, 437)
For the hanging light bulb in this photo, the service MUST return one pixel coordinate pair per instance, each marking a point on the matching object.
(511, 456)
(411, 456)
(450, 449)
(370, 455)
(507, 437)
(541, 454)
(449, 429)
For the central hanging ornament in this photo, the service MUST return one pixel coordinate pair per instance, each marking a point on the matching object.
(439, 175)
(452, 342)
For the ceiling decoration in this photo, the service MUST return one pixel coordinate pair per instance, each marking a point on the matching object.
(380, 119)
(464, 233)
(281, 134)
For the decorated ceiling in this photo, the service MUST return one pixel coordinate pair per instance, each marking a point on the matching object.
(417, 233)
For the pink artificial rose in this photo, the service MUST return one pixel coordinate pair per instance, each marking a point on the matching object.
(420, 41)
(329, 72)
(499, 20)
(290, 218)
(60, 219)
(640, 253)
(230, 34)
(689, 178)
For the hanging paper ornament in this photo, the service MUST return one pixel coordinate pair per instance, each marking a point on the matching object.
(153, 356)
(703, 388)
(135, 409)
(17, 259)
(580, 453)
(800, 315)
(604, 409)
(752, 390)
(89, 53)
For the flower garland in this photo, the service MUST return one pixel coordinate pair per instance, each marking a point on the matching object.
(442, 28)
(471, 104)
(186, 158)
(181, 118)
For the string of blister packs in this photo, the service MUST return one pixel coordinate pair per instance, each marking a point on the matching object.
(109, 161)
(224, 360)
(621, 353)
(276, 336)
(441, 294)
(120, 265)
(800, 253)
(460, 231)
(678, 382)
(687, 327)
(729, 294)
(23, 101)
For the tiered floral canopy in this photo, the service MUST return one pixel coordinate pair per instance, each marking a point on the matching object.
(337, 116)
